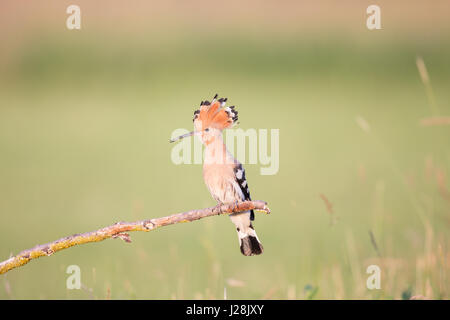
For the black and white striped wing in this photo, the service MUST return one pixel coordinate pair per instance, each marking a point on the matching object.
(239, 173)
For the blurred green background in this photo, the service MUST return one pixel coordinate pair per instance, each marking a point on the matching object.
(85, 118)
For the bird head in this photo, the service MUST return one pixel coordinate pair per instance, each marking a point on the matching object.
(211, 119)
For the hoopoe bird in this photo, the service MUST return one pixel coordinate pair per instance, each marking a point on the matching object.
(224, 176)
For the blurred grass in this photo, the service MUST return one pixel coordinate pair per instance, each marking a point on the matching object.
(84, 129)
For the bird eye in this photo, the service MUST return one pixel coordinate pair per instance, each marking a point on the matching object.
(207, 129)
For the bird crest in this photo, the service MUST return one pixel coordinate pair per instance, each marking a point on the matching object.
(214, 114)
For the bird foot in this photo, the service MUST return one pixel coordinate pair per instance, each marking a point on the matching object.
(217, 208)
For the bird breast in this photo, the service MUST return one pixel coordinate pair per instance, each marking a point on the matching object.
(219, 180)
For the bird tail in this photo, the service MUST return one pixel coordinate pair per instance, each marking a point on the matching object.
(248, 240)
(249, 243)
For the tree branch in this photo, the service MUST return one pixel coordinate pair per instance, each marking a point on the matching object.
(120, 229)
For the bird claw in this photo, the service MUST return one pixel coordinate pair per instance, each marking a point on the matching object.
(217, 208)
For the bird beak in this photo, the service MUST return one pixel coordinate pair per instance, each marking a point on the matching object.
(185, 135)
